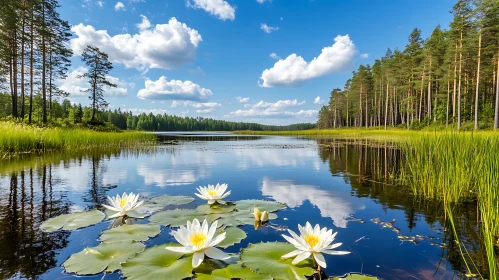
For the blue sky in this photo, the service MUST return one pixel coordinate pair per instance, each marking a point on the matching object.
(196, 57)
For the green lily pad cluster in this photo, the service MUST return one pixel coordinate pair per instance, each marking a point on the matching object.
(122, 247)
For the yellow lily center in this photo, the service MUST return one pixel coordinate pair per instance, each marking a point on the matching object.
(212, 193)
(123, 202)
(311, 239)
(198, 239)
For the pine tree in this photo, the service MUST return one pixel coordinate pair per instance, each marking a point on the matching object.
(99, 68)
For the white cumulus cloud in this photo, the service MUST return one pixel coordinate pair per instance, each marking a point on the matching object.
(201, 107)
(138, 111)
(274, 56)
(294, 69)
(364, 55)
(119, 6)
(145, 24)
(277, 109)
(219, 8)
(164, 46)
(318, 100)
(242, 100)
(162, 89)
(268, 28)
(100, 3)
(73, 85)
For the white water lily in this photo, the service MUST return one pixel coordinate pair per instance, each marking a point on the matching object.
(199, 239)
(213, 193)
(123, 204)
(312, 241)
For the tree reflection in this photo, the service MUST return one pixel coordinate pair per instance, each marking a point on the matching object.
(372, 170)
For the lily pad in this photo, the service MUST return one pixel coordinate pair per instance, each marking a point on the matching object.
(354, 276)
(73, 221)
(179, 217)
(240, 218)
(232, 271)
(158, 263)
(215, 208)
(137, 232)
(262, 205)
(170, 200)
(106, 256)
(233, 235)
(266, 258)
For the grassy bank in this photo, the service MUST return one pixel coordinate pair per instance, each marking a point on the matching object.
(19, 138)
(447, 166)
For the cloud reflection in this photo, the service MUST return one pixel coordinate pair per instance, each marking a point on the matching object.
(335, 205)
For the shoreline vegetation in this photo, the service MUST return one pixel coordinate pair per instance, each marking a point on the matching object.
(450, 167)
(19, 138)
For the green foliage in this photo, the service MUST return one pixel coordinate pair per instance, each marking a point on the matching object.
(137, 232)
(72, 221)
(19, 138)
(157, 263)
(233, 271)
(265, 258)
(106, 256)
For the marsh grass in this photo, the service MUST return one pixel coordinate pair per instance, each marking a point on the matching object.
(454, 168)
(19, 138)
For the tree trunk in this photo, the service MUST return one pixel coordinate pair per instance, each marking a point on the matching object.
(496, 118)
(22, 59)
(429, 93)
(14, 76)
(31, 61)
(360, 106)
(367, 113)
(50, 78)
(459, 82)
(386, 102)
(455, 84)
(448, 97)
(478, 79)
(44, 65)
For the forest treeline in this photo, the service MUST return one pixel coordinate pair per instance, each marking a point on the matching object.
(35, 53)
(68, 114)
(450, 78)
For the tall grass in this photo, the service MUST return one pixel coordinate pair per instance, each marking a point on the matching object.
(456, 168)
(19, 138)
(450, 167)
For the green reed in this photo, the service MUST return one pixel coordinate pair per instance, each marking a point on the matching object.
(19, 138)
(456, 168)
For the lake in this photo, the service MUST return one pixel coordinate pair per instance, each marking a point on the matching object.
(344, 185)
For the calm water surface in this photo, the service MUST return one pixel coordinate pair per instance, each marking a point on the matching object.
(345, 187)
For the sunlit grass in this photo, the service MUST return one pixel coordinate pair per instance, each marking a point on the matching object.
(19, 138)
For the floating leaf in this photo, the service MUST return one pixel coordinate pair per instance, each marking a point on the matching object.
(233, 271)
(233, 235)
(208, 265)
(158, 263)
(106, 256)
(240, 218)
(266, 258)
(215, 208)
(354, 276)
(137, 232)
(73, 221)
(179, 217)
(248, 205)
(170, 200)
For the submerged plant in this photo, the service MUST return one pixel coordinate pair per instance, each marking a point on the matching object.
(200, 240)
(123, 205)
(213, 193)
(312, 241)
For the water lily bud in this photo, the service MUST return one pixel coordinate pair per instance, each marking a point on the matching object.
(257, 214)
(265, 216)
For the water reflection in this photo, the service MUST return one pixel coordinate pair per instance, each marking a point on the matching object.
(335, 205)
(291, 171)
